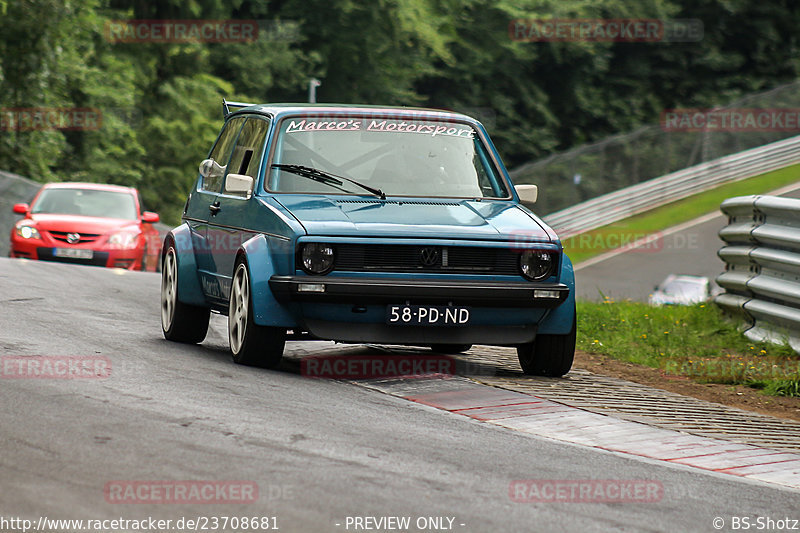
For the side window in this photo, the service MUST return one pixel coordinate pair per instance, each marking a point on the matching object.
(249, 148)
(221, 153)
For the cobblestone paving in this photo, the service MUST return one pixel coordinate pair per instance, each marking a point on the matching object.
(498, 367)
(631, 401)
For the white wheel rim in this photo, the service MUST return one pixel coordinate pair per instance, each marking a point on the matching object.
(169, 289)
(238, 309)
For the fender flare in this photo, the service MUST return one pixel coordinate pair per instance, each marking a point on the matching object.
(559, 320)
(189, 289)
(267, 310)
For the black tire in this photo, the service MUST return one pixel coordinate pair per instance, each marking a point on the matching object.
(450, 348)
(180, 322)
(548, 355)
(250, 344)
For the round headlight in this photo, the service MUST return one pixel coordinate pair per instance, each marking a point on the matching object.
(28, 232)
(535, 264)
(317, 258)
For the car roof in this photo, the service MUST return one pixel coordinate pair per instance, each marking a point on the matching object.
(93, 186)
(288, 109)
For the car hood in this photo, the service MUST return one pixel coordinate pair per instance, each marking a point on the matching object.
(81, 224)
(442, 218)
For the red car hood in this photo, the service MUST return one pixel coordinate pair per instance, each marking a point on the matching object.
(81, 224)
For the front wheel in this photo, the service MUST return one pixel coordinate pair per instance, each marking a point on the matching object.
(251, 344)
(180, 322)
(548, 355)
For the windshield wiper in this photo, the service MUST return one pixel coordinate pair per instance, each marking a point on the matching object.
(326, 177)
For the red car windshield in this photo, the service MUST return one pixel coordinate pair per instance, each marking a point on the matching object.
(86, 202)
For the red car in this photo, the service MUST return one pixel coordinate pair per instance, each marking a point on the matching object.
(88, 224)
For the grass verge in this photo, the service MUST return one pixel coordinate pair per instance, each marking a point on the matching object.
(691, 341)
(591, 243)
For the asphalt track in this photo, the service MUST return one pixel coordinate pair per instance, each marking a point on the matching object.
(634, 272)
(318, 450)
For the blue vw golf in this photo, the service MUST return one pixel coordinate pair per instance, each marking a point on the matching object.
(365, 224)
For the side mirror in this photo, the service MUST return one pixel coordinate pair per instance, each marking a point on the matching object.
(527, 193)
(211, 169)
(239, 184)
(150, 217)
(21, 209)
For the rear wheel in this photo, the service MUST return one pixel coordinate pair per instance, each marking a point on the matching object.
(180, 322)
(450, 348)
(548, 355)
(251, 344)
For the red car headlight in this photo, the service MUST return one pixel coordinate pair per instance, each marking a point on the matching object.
(27, 232)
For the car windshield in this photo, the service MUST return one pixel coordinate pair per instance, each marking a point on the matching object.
(86, 202)
(399, 156)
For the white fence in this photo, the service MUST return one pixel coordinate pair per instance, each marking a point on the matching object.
(762, 266)
(642, 197)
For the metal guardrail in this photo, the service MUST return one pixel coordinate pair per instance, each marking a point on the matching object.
(642, 197)
(650, 151)
(762, 267)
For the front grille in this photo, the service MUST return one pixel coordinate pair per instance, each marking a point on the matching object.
(84, 237)
(99, 258)
(416, 258)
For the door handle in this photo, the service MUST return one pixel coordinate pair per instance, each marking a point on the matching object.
(214, 208)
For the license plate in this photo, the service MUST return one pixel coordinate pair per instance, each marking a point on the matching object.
(73, 253)
(427, 315)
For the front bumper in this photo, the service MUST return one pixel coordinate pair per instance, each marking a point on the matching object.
(387, 291)
(130, 258)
